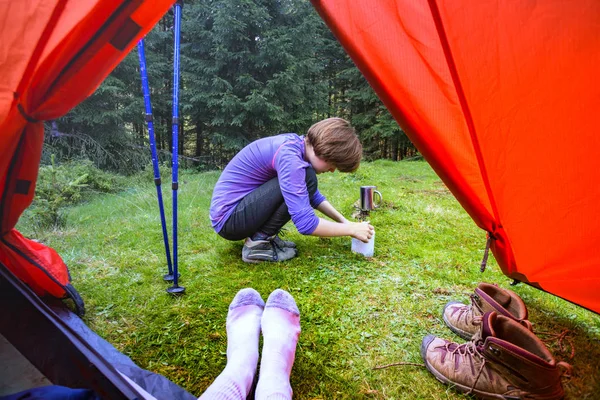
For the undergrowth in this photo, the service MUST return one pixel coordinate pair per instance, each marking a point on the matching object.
(62, 185)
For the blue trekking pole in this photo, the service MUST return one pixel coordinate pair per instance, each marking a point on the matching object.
(157, 181)
(176, 289)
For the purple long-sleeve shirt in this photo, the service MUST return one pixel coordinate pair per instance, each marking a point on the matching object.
(279, 156)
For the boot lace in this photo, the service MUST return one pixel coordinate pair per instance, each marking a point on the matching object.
(471, 351)
(466, 312)
(276, 247)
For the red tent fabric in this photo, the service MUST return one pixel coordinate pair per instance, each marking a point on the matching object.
(53, 54)
(499, 97)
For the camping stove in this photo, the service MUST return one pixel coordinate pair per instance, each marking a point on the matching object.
(362, 215)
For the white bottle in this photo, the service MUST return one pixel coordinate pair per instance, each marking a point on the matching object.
(366, 249)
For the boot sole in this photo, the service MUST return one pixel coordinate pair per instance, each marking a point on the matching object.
(256, 261)
(248, 260)
(457, 386)
(253, 261)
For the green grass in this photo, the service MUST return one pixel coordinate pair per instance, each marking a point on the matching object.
(356, 313)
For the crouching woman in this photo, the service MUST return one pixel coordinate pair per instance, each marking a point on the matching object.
(274, 179)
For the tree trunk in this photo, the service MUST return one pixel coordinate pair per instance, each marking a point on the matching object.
(395, 148)
(384, 152)
(199, 140)
(329, 96)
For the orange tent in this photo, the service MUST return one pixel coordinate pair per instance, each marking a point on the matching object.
(498, 97)
(53, 54)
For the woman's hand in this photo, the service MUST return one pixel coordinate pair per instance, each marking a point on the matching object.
(362, 231)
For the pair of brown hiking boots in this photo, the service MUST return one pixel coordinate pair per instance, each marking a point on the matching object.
(503, 359)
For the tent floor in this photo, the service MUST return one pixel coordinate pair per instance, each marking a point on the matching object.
(16, 372)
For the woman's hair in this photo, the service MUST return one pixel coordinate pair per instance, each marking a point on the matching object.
(334, 140)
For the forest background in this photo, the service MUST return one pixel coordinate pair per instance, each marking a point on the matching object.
(249, 69)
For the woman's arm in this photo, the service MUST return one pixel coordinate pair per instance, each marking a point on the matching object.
(362, 231)
(326, 208)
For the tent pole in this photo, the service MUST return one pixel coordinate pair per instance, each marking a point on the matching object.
(157, 181)
(176, 289)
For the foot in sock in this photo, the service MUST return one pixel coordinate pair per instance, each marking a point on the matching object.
(280, 326)
(243, 329)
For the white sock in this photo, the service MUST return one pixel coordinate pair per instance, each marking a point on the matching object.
(243, 330)
(280, 326)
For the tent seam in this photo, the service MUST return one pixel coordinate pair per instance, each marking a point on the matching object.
(37, 53)
(435, 13)
(9, 181)
(67, 70)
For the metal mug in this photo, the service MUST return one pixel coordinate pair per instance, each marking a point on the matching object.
(366, 198)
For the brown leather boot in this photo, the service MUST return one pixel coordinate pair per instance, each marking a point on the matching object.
(464, 320)
(504, 360)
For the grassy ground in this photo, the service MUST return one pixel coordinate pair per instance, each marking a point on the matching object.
(356, 313)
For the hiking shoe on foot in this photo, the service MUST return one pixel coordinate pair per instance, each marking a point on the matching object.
(282, 243)
(503, 360)
(255, 251)
(464, 320)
